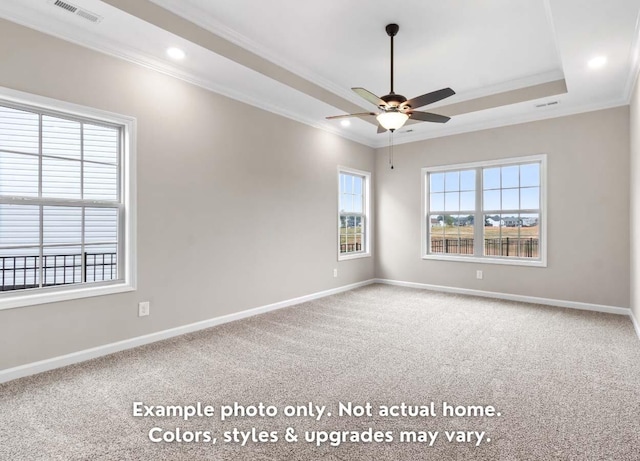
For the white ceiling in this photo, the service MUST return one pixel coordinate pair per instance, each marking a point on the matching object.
(300, 59)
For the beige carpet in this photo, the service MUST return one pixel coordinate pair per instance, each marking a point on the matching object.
(566, 382)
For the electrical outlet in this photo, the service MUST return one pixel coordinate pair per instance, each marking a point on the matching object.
(143, 308)
(479, 275)
(335, 272)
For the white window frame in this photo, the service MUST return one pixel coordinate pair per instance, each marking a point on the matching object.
(127, 232)
(366, 215)
(479, 213)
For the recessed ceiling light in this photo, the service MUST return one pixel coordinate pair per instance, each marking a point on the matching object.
(175, 53)
(345, 123)
(597, 62)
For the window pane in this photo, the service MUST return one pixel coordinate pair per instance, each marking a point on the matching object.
(468, 180)
(491, 200)
(101, 225)
(510, 176)
(467, 201)
(452, 181)
(458, 235)
(62, 225)
(19, 268)
(530, 198)
(530, 175)
(60, 178)
(436, 182)
(348, 184)
(357, 224)
(101, 263)
(452, 201)
(60, 137)
(437, 202)
(19, 225)
(436, 234)
(492, 235)
(346, 203)
(510, 199)
(18, 175)
(19, 131)
(357, 185)
(357, 203)
(491, 178)
(350, 234)
(100, 144)
(100, 182)
(529, 236)
(61, 265)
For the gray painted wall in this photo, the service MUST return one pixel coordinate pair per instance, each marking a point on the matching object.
(588, 209)
(236, 206)
(635, 200)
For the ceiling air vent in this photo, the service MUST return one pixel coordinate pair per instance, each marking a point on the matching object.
(66, 6)
(550, 103)
(84, 14)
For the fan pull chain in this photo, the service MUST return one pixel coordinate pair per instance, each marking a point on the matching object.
(391, 149)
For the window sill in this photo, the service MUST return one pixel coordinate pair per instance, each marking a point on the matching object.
(485, 260)
(11, 300)
(353, 256)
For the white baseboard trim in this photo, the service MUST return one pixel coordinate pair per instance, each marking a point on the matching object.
(21, 371)
(634, 320)
(512, 297)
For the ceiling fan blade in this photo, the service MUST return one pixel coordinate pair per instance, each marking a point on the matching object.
(361, 114)
(381, 129)
(369, 96)
(428, 117)
(429, 98)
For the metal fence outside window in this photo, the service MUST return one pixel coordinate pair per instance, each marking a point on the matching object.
(524, 247)
(22, 272)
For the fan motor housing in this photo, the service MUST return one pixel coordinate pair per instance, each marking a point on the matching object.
(393, 100)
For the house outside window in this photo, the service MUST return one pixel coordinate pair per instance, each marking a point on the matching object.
(66, 202)
(353, 213)
(492, 212)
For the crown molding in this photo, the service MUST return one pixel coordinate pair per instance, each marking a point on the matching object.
(122, 51)
(202, 18)
(134, 56)
(506, 121)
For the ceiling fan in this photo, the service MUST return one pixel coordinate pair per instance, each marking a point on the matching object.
(396, 109)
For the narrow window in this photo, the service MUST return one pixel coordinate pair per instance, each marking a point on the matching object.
(353, 214)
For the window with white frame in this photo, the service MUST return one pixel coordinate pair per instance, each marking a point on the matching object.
(487, 212)
(353, 213)
(64, 217)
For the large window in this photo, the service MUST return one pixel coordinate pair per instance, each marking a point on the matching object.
(64, 202)
(488, 212)
(353, 214)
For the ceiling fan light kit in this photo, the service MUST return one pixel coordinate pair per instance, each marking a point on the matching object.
(396, 109)
(392, 120)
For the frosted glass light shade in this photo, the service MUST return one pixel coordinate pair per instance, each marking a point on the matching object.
(392, 120)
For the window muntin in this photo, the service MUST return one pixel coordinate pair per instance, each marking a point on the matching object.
(61, 207)
(495, 215)
(353, 206)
